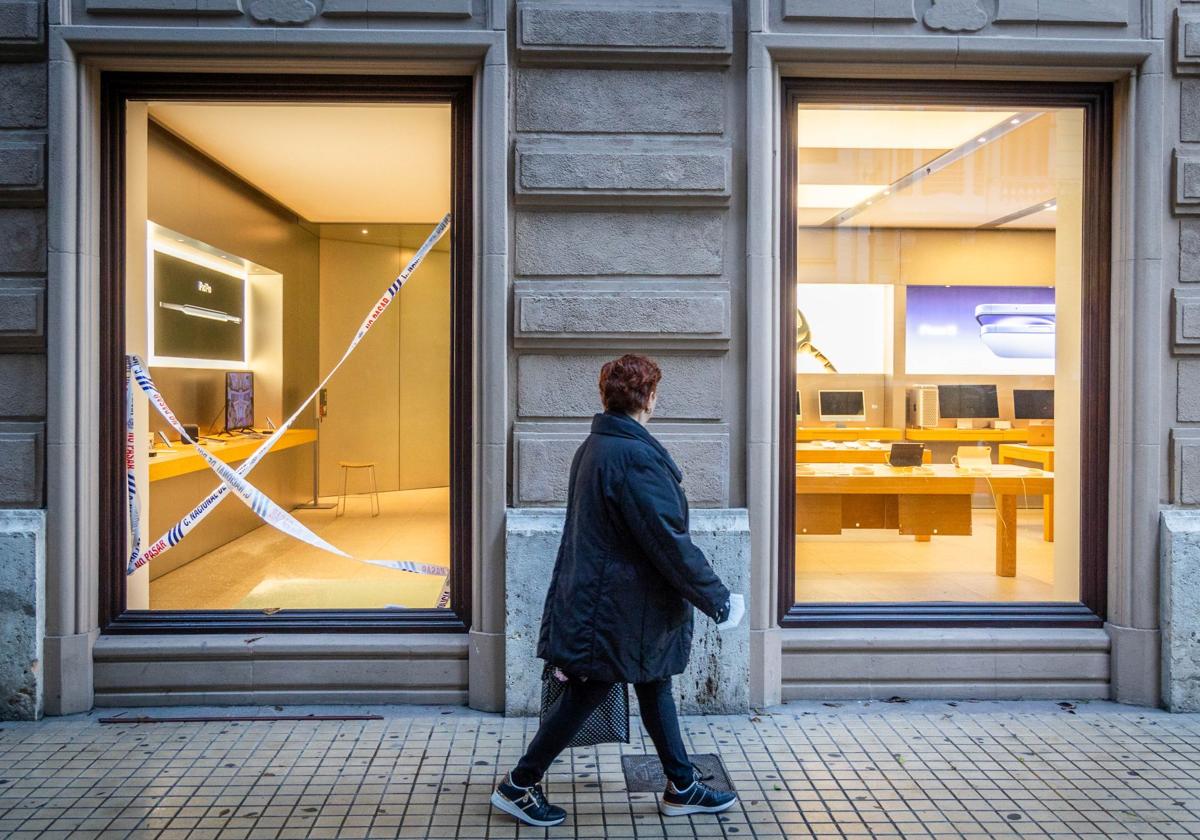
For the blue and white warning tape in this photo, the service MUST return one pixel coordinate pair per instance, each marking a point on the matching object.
(135, 518)
(235, 479)
(254, 498)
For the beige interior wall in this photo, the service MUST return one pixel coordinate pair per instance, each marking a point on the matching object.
(425, 336)
(922, 257)
(137, 585)
(1068, 350)
(189, 193)
(364, 400)
(390, 403)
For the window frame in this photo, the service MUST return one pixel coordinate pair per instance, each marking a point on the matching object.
(118, 88)
(1096, 101)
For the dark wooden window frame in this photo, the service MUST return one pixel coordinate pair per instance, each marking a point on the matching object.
(116, 90)
(1096, 102)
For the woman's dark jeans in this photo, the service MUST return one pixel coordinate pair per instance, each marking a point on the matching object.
(579, 700)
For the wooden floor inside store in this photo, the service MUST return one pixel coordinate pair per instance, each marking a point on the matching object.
(267, 570)
(874, 566)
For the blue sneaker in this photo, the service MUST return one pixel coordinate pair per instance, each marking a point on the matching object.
(527, 804)
(696, 798)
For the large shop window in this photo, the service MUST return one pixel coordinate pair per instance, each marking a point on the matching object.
(253, 230)
(945, 309)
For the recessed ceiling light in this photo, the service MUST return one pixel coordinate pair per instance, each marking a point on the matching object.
(364, 230)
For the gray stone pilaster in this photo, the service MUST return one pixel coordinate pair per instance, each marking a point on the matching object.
(23, 261)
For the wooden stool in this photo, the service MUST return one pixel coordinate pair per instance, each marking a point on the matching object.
(358, 465)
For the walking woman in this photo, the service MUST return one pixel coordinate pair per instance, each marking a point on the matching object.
(619, 608)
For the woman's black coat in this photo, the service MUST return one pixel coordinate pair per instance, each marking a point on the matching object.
(617, 609)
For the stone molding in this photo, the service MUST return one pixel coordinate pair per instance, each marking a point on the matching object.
(23, 240)
(580, 314)
(1185, 321)
(22, 314)
(671, 243)
(1187, 405)
(622, 32)
(1184, 456)
(590, 100)
(563, 386)
(286, 12)
(22, 465)
(232, 668)
(647, 175)
(1115, 12)
(22, 171)
(542, 456)
(398, 8)
(22, 28)
(1189, 251)
(1185, 173)
(956, 16)
(1187, 42)
(207, 8)
(22, 386)
(871, 10)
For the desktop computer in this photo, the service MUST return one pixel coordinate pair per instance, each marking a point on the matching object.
(1033, 404)
(921, 407)
(966, 403)
(842, 406)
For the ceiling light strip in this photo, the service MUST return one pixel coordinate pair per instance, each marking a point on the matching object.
(1031, 210)
(1008, 124)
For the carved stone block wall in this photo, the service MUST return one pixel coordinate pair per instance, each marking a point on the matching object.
(23, 260)
(1005, 17)
(287, 13)
(625, 142)
(542, 459)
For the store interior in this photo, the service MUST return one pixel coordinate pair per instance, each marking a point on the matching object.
(938, 348)
(258, 237)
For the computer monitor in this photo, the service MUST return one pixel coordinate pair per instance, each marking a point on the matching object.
(842, 406)
(1033, 404)
(968, 402)
(239, 400)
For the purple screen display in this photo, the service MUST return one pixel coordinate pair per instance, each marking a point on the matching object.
(980, 330)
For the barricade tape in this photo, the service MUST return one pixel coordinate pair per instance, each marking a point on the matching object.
(234, 479)
(255, 499)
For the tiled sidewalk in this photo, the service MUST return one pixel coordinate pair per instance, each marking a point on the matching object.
(825, 770)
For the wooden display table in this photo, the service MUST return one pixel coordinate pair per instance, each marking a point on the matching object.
(841, 453)
(967, 435)
(922, 501)
(1043, 456)
(182, 459)
(811, 433)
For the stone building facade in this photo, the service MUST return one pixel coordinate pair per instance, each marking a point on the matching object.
(623, 152)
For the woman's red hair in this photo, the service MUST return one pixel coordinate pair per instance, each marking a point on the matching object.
(627, 383)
